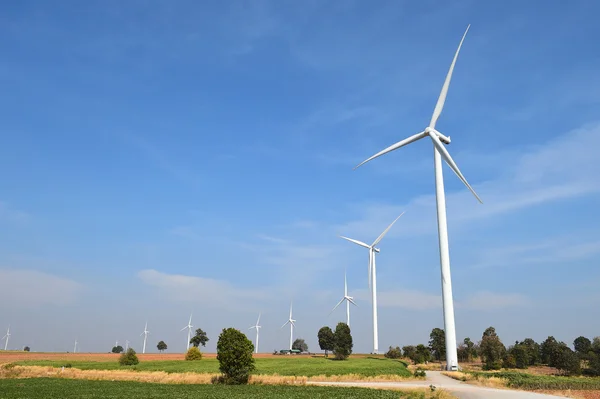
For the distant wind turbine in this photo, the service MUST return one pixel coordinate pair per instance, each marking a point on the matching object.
(7, 336)
(126, 345)
(349, 300)
(292, 324)
(189, 327)
(257, 326)
(75, 347)
(439, 152)
(116, 343)
(145, 334)
(373, 277)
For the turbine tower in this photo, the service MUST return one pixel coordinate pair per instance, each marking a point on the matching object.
(349, 300)
(7, 336)
(373, 278)
(75, 347)
(292, 324)
(189, 327)
(257, 326)
(126, 345)
(439, 152)
(145, 334)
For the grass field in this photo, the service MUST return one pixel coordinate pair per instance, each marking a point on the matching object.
(50, 388)
(282, 365)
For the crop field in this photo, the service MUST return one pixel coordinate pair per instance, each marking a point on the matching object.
(55, 388)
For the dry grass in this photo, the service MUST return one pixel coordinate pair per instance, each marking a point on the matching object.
(489, 382)
(358, 377)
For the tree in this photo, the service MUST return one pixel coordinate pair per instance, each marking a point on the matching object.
(162, 346)
(596, 346)
(234, 353)
(128, 358)
(342, 343)
(470, 348)
(409, 351)
(520, 354)
(193, 354)
(549, 350)
(437, 344)
(462, 351)
(567, 361)
(117, 349)
(582, 346)
(27, 349)
(199, 339)
(422, 354)
(393, 353)
(533, 351)
(326, 339)
(300, 345)
(492, 349)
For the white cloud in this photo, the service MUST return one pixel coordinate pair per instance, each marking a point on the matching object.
(209, 292)
(28, 288)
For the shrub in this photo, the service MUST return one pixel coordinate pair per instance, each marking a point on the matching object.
(420, 373)
(342, 347)
(68, 365)
(393, 353)
(234, 353)
(193, 354)
(128, 358)
(509, 362)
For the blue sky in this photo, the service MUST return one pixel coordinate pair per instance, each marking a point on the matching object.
(159, 158)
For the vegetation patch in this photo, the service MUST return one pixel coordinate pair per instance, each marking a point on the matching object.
(527, 381)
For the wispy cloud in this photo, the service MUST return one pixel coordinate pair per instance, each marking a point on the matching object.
(211, 293)
(31, 288)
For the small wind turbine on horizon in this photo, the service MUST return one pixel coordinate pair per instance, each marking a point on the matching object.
(349, 300)
(440, 152)
(126, 345)
(116, 343)
(257, 326)
(7, 336)
(189, 327)
(75, 347)
(373, 278)
(292, 324)
(145, 334)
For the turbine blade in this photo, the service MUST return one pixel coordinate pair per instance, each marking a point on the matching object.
(446, 156)
(362, 244)
(183, 328)
(386, 230)
(352, 302)
(338, 304)
(258, 321)
(393, 147)
(442, 99)
(285, 324)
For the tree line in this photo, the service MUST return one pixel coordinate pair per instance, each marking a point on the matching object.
(584, 358)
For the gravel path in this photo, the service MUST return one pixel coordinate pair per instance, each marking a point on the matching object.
(460, 389)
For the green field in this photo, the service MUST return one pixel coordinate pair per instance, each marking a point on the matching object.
(533, 382)
(56, 388)
(287, 366)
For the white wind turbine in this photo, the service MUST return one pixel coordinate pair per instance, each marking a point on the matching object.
(189, 327)
(257, 326)
(292, 324)
(126, 345)
(373, 278)
(145, 334)
(349, 300)
(440, 152)
(7, 336)
(75, 347)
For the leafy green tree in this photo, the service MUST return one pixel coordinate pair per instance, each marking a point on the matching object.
(533, 351)
(582, 346)
(550, 351)
(520, 354)
(326, 339)
(437, 344)
(596, 345)
(342, 347)
(567, 361)
(509, 361)
(117, 349)
(128, 358)
(300, 345)
(594, 364)
(492, 349)
(471, 350)
(409, 351)
(162, 346)
(27, 349)
(234, 353)
(199, 339)
(422, 354)
(393, 353)
(193, 354)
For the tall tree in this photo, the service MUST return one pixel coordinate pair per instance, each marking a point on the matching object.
(162, 346)
(342, 347)
(549, 350)
(582, 345)
(422, 354)
(437, 343)
(117, 349)
(492, 349)
(533, 351)
(326, 339)
(300, 345)
(471, 351)
(199, 339)
(409, 351)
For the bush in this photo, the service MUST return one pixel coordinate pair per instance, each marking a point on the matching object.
(420, 373)
(393, 353)
(193, 354)
(492, 365)
(342, 347)
(128, 358)
(509, 362)
(234, 353)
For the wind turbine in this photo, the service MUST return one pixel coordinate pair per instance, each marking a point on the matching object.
(126, 345)
(116, 343)
(145, 334)
(189, 327)
(75, 347)
(7, 336)
(257, 326)
(292, 324)
(349, 300)
(440, 152)
(373, 277)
